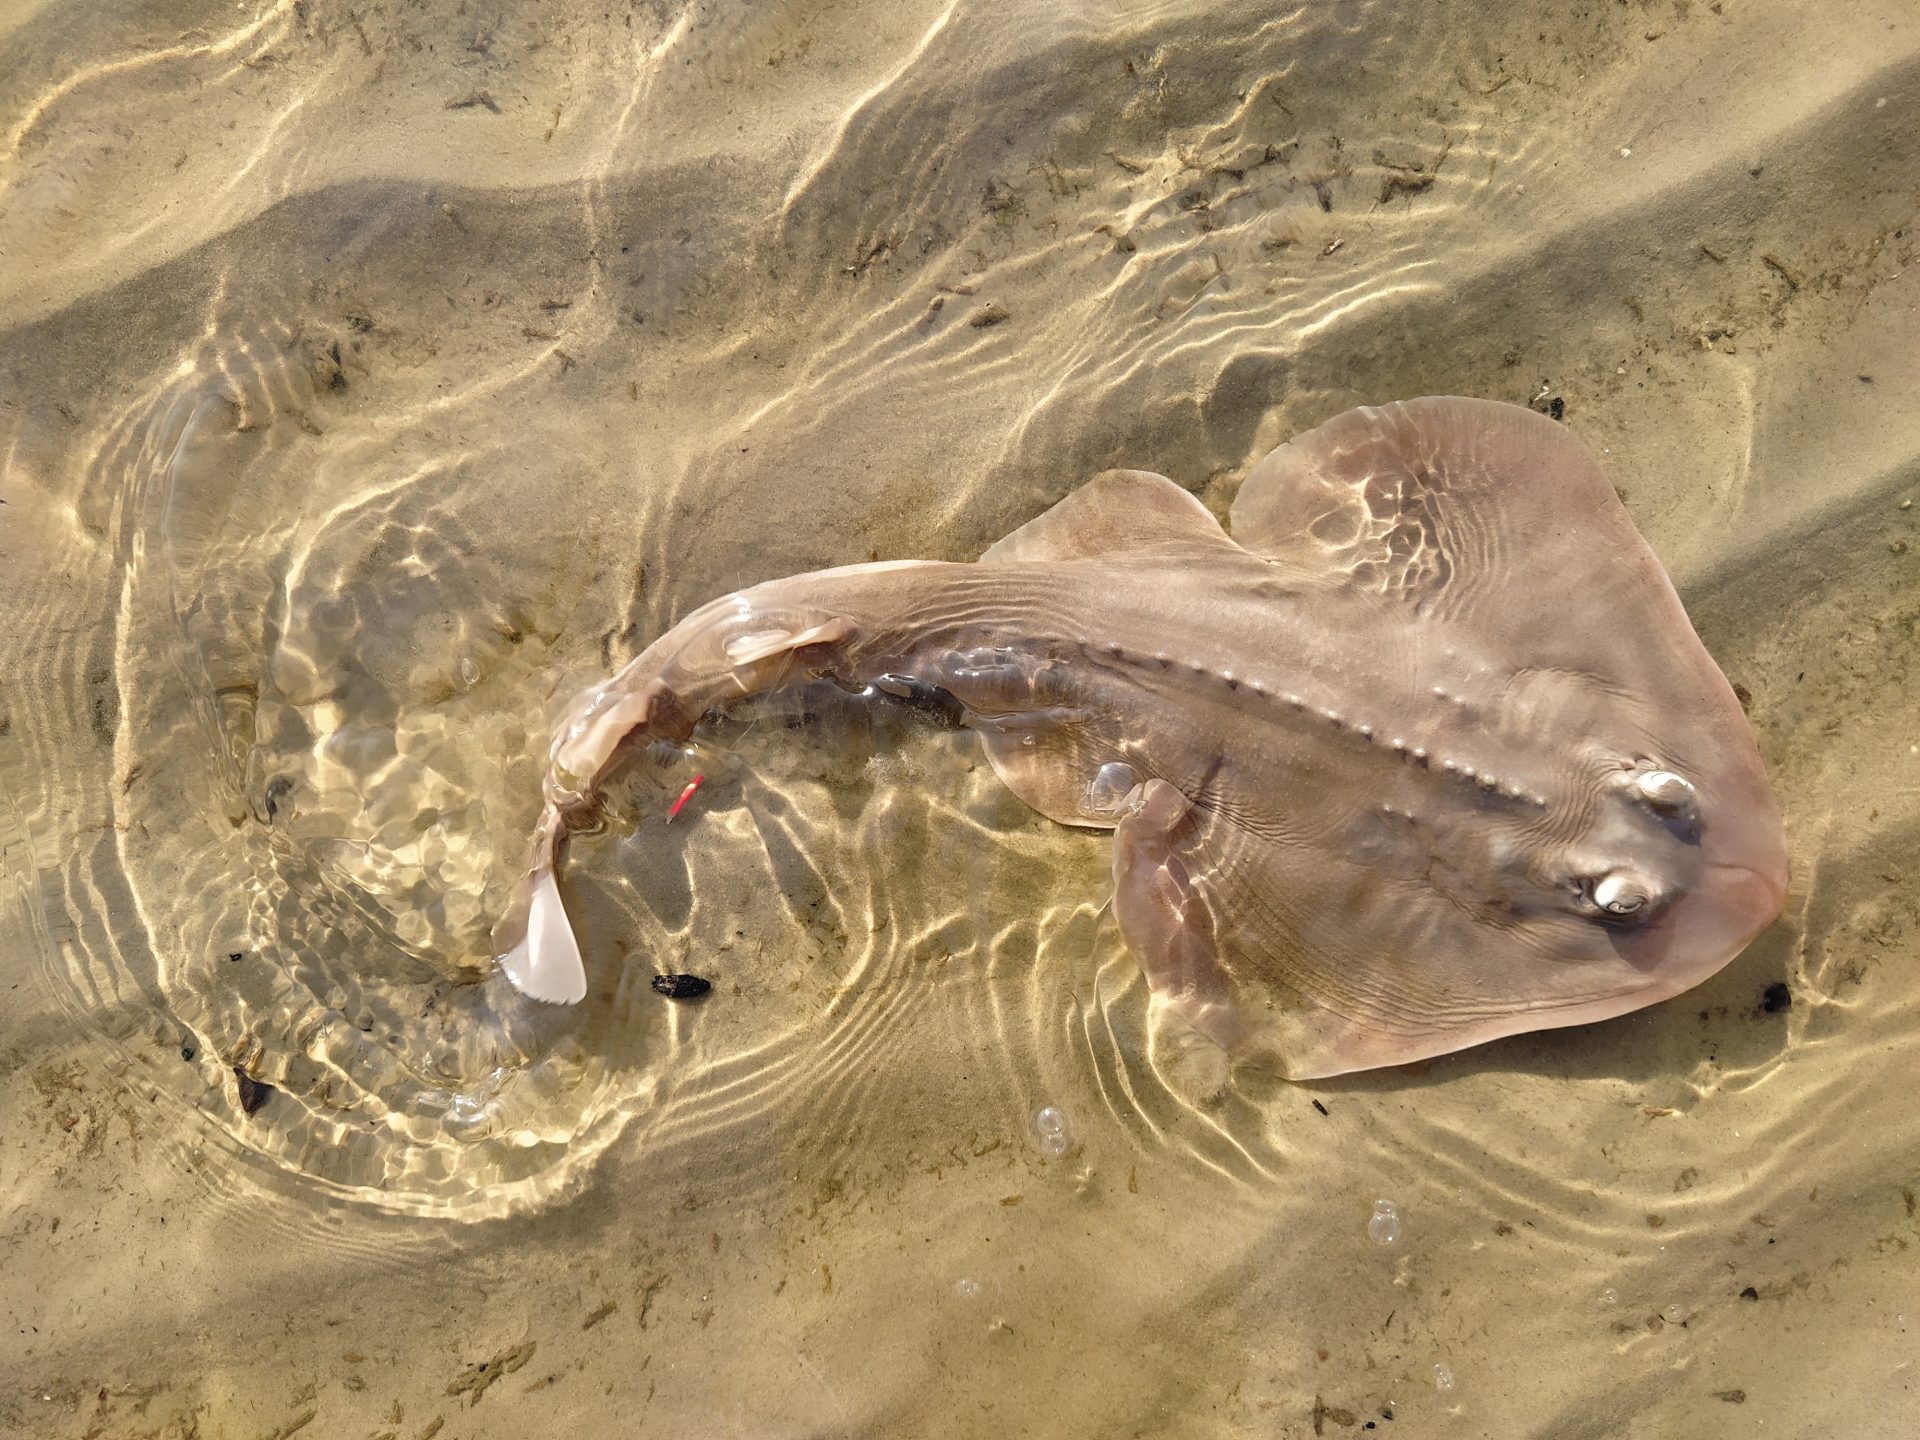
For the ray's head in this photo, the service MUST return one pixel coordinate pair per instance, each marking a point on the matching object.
(1640, 878)
(1669, 877)
(1632, 845)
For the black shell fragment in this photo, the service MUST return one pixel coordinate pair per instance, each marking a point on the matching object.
(680, 987)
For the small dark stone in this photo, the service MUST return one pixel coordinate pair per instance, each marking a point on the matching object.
(253, 1093)
(236, 955)
(1557, 408)
(1776, 998)
(680, 987)
(187, 1052)
(1749, 1293)
(1318, 1106)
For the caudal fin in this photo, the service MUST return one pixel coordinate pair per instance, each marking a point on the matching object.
(545, 963)
(534, 939)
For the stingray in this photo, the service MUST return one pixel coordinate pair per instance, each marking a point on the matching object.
(1425, 754)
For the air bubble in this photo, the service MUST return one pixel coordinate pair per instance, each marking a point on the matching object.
(1442, 1375)
(1673, 1314)
(469, 672)
(1383, 1226)
(1609, 1296)
(967, 1288)
(1051, 1132)
(1112, 783)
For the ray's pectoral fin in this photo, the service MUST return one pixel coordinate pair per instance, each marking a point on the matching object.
(1166, 916)
(1465, 505)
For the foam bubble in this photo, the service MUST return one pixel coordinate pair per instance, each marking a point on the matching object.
(1051, 1132)
(1383, 1226)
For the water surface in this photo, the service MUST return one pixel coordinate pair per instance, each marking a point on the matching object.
(372, 377)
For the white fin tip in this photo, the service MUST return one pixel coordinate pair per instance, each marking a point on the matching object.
(545, 962)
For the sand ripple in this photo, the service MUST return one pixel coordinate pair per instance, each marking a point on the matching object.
(375, 376)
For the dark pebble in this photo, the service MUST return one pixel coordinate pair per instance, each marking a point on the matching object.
(1749, 1293)
(1776, 998)
(680, 987)
(253, 1093)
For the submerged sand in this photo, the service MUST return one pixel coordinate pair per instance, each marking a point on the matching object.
(373, 377)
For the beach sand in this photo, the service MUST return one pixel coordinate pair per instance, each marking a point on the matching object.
(373, 377)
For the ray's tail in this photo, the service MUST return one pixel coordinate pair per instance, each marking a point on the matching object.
(534, 940)
(740, 645)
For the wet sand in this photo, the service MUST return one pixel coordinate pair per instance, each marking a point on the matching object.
(373, 378)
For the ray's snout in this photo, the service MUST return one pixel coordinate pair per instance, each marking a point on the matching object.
(1741, 889)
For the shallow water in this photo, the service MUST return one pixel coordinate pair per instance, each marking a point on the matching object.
(374, 377)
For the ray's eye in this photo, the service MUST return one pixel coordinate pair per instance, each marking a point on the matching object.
(1620, 894)
(1666, 795)
(1665, 791)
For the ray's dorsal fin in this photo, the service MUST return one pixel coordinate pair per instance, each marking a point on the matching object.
(1114, 512)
